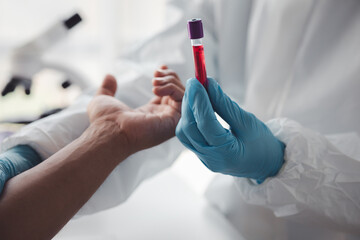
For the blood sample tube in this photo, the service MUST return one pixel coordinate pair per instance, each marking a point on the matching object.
(196, 35)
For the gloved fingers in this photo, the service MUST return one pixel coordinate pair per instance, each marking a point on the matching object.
(204, 115)
(230, 111)
(204, 159)
(182, 137)
(211, 156)
(187, 126)
(185, 141)
(195, 138)
(190, 137)
(215, 157)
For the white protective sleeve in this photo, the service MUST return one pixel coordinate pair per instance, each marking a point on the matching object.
(320, 176)
(49, 135)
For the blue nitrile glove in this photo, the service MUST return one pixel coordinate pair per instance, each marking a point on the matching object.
(15, 161)
(248, 150)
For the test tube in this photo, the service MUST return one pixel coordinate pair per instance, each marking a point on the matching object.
(196, 34)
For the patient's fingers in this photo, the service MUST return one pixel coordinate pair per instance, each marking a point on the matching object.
(164, 71)
(160, 81)
(159, 72)
(163, 76)
(172, 90)
(108, 86)
(167, 83)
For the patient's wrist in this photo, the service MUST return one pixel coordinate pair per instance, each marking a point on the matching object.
(109, 139)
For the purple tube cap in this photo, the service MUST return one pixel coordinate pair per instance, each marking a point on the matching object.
(195, 28)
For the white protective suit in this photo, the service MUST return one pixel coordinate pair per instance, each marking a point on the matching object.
(297, 59)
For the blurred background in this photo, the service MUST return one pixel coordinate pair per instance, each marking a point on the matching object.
(108, 28)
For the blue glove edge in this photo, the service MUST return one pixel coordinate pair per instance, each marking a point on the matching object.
(15, 161)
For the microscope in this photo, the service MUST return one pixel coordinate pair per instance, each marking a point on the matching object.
(27, 60)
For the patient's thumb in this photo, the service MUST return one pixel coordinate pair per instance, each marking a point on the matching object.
(108, 86)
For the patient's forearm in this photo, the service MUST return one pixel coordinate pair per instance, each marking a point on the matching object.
(39, 202)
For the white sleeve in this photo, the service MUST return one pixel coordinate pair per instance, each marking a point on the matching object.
(321, 175)
(49, 135)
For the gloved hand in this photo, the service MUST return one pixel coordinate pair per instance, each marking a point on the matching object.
(249, 149)
(15, 161)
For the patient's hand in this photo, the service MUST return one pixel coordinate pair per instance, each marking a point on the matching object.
(148, 125)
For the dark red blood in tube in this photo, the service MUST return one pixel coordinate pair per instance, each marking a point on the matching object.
(199, 59)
